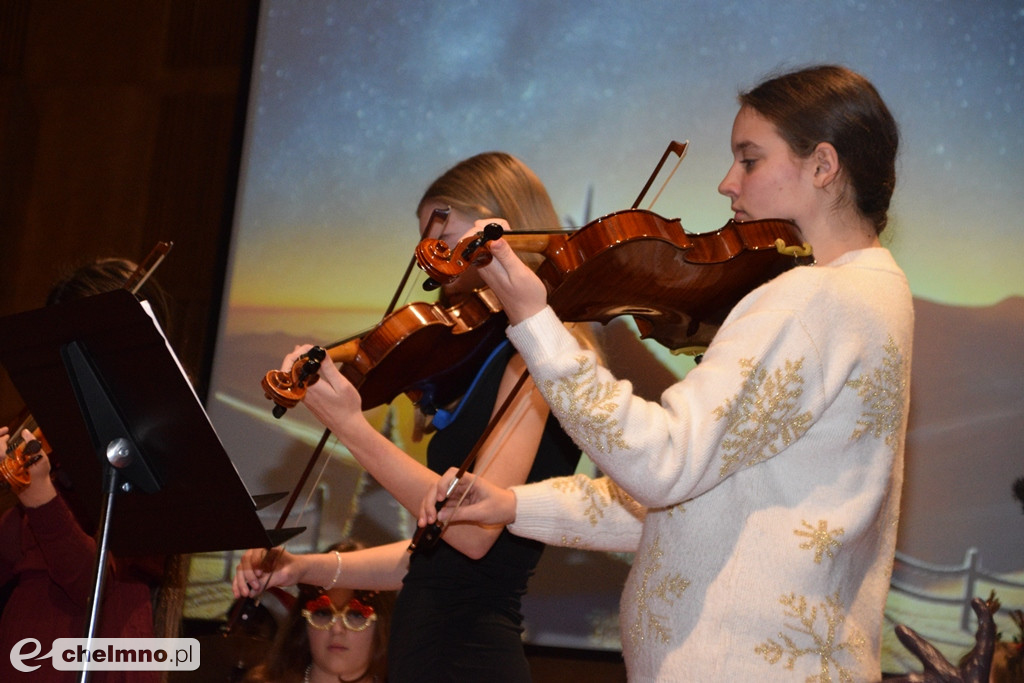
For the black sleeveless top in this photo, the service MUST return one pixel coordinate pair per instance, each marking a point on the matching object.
(457, 618)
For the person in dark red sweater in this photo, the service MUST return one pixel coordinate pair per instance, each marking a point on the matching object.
(49, 558)
(45, 549)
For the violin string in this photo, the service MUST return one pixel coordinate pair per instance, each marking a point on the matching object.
(314, 487)
(298, 520)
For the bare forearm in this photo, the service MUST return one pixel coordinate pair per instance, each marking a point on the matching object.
(379, 568)
(402, 476)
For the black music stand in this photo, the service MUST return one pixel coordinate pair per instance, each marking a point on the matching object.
(125, 425)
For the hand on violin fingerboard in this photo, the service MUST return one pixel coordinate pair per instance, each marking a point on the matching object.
(39, 489)
(521, 292)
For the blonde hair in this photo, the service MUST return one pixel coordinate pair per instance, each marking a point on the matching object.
(495, 185)
(498, 185)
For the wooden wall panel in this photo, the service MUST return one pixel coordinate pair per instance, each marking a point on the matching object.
(120, 125)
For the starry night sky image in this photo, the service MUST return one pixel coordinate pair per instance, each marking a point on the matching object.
(356, 106)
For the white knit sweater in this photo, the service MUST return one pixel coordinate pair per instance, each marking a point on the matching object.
(767, 480)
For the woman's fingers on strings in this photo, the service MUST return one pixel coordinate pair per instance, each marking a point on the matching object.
(496, 272)
(289, 360)
(330, 374)
(240, 585)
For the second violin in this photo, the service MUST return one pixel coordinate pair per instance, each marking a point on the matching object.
(429, 352)
(14, 465)
(678, 286)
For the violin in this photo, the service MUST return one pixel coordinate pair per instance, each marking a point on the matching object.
(430, 352)
(19, 455)
(678, 286)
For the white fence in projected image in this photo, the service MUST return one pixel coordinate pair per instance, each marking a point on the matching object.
(935, 601)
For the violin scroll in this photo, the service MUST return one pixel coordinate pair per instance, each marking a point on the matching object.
(444, 265)
(14, 466)
(286, 389)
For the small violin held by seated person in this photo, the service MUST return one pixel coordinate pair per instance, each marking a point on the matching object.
(14, 468)
(429, 352)
(678, 286)
(19, 455)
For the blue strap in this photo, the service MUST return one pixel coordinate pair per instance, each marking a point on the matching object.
(443, 418)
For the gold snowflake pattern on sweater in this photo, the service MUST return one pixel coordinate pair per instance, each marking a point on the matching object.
(656, 589)
(821, 539)
(586, 407)
(762, 418)
(883, 392)
(815, 633)
(597, 498)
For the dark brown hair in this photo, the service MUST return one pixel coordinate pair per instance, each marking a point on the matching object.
(290, 654)
(836, 105)
(106, 275)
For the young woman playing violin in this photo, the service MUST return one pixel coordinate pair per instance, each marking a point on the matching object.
(457, 617)
(761, 495)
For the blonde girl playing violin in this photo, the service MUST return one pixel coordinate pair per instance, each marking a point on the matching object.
(458, 615)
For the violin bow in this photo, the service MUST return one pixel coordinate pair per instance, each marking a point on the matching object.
(245, 607)
(147, 266)
(437, 217)
(673, 147)
(427, 537)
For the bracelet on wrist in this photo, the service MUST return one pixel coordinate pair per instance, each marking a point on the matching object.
(337, 572)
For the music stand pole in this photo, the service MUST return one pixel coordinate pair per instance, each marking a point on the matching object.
(125, 423)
